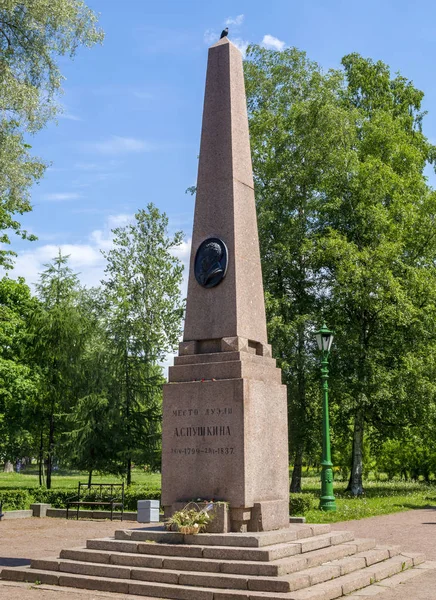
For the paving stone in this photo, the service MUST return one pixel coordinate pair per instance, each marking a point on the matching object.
(108, 544)
(368, 592)
(297, 581)
(169, 591)
(355, 581)
(417, 557)
(271, 584)
(391, 567)
(324, 573)
(199, 564)
(94, 569)
(392, 582)
(170, 550)
(212, 580)
(31, 575)
(249, 568)
(104, 584)
(86, 555)
(361, 544)
(231, 595)
(45, 564)
(156, 575)
(376, 555)
(428, 564)
(249, 554)
(137, 560)
(350, 564)
(310, 594)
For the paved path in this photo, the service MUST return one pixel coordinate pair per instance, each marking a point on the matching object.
(414, 530)
(21, 540)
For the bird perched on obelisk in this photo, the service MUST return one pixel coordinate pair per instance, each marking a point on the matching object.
(224, 33)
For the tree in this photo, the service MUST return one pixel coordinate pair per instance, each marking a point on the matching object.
(60, 330)
(290, 103)
(144, 312)
(346, 221)
(18, 378)
(378, 250)
(33, 34)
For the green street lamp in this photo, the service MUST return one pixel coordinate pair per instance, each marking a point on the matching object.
(324, 338)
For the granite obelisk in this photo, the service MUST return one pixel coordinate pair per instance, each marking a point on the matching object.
(225, 410)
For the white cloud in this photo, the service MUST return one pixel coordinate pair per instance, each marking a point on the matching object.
(269, 41)
(241, 45)
(210, 37)
(69, 116)
(59, 197)
(85, 258)
(234, 20)
(119, 145)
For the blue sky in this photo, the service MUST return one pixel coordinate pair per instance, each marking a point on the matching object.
(131, 128)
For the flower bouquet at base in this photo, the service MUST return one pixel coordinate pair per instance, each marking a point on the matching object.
(190, 521)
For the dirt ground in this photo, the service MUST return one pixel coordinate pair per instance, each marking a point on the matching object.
(24, 539)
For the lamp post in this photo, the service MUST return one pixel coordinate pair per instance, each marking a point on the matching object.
(324, 338)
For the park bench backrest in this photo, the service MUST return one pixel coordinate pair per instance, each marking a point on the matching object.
(101, 491)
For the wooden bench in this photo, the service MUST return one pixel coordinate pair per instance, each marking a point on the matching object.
(106, 494)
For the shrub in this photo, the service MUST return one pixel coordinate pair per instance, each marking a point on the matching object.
(15, 499)
(57, 497)
(300, 504)
(135, 492)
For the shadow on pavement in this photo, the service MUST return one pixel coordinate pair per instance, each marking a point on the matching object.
(14, 562)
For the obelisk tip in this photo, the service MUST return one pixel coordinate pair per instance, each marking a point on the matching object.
(222, 42)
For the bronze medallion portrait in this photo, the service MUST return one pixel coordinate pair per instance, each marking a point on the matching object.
(211, 261)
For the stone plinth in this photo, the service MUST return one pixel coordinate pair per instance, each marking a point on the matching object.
(225, 438)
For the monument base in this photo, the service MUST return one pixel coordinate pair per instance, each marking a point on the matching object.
(225, 438)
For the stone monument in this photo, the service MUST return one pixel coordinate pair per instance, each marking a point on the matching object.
(225, 434)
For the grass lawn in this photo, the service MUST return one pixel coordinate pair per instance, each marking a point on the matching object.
(69, 479)
(381, 498)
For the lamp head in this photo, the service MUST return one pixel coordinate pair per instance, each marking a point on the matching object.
(324, 339)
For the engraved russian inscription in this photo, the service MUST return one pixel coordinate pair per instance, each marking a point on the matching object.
(201, 434)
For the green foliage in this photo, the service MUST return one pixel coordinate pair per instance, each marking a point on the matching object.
(32, 37)
(346, 223)
(60, 329)
(18, 380)
(300, 503)
(144, 310)
(133, 493)
(57, 498)
(15, 499)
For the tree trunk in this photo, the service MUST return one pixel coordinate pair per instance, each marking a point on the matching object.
(297, 471)
(50, 451)
(9, 467)
(89, 478)
(355, 484)
(41, 459)
(129, 471)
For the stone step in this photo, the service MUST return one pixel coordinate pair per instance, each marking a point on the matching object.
(346, 584)
(265, 554)
(275, 568)
(327, 590)
(240, 369)
(242, 540)
(302, 579)
(210, 357)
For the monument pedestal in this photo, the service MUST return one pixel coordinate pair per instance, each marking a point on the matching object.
(225, 436)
